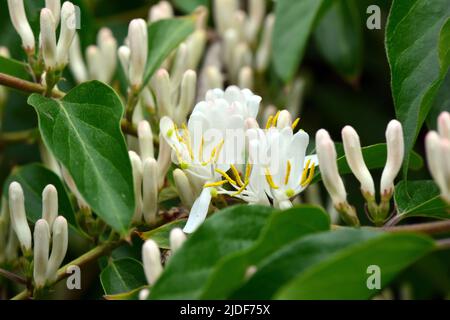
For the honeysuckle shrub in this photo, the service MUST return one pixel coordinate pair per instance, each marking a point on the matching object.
(209, 149)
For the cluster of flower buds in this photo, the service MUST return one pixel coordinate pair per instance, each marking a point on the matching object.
(437, 145)
(353, 152)
(101, 59)
(50, 228)
(151, 258)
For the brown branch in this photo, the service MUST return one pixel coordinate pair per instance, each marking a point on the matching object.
(27, 86)
(437, 227)
(13, 277)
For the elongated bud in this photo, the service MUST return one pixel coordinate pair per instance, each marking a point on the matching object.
(184, 188)
(143, 294)
(150, 190)
(67, 32)
(214, 78)
(164, 160)
(48, 38)
(18, 216)
(124, 58)
(284, 119)
(136, 166)
(444, 125)
(223, 14)
(264, 50)
(76, 62)
(40, 252)
(60, 235)
(246, 78)
(179, 65)
(187, 95)
(55, 8)
(437, 164)
(239, 20)
(151, 258)
(395, 152)
(195, 48)
(20, 23)
(108, 48)
(177, 238)
(161, 84)
(160, 11)
(94, 62)
(230, 42)
(257, 11)
(137, 36)
(49, 204)
(242, 57)
(356, 162)
(145, 136)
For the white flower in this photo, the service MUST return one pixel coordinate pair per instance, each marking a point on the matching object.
(438, 159)
(223, 14)
(40, 252)
(49, 204)
(151, 258)
(48, 38)
(55, 8)
(161, 10)
(60, 238)
(150, 190)
(76, 62)
(145, 136)
(20, 23)
(183, 187)
(245, 79)
(18, 216)
(137, 171)
(137, 37)
(177, 238)
(66, 35)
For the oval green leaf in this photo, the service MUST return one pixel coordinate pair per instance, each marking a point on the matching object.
(122, 276)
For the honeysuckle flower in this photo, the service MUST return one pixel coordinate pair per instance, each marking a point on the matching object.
(161, 10)
(55, 8)
(40, 252)
(195, 43)
(145, 137)
(150, 190)
(60, 237)
(107, 45)
(76, 62)
(18, 216)
(263, 53)
(184, 188)
(444, 125)
(179, 65)
(50, 204)
(256, 13)
(151, 258)
(177, 238)
(138, 43)
(48, 38)
(137, 171)
(20, 23)
(66, 35)
(164, 160)
(223, 14)
(246, 78)
(143, 294)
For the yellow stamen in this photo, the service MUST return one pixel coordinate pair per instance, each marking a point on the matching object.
(218, 149)
(269, 122)
(187, 140)
(295, 123)
(226, 176)
(236, 175)
(175, 128)
(215, 184)
(200, 151)
(275, 119)
(241, 189)
(305, 172)
(288, 172)
(270, 179)
(310, 176)
(248, 170)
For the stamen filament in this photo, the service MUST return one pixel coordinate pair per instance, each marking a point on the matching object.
(226, 176)
(305, 171)
(288, 172)
(241, 189)
(275, 119)
(248, 170)
(310, 176)
(236, 175)
(269, 122)
(215, 184)
(270, 179)
(295, 123)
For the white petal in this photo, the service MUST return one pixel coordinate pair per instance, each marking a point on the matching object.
(199, 211)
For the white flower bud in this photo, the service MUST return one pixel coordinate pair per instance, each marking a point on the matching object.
(264, 50)
(108, 49)
(49, 204)
(438, 162)
(242, 57)
(187, 95)
(60, 235)
(40, 252)
(395, 152)
(177, 238)
(76, 62)
(230, 42)
(161, 85)
(356, 162)
(164, 160)
(66, 34)
(195, 48)
(214, 78)
(180, 65)
(151, 258)
(246, 78)
(143, 294)
(48, 38)
(136, 166)
(55, 8)
(124, 58)
(326, 153)
(160, 11)
(239, 19)
(257, 11)
(94, 62)
(284, 119)
(18, 216)
(137, 36)
(223, 14)
(444, 125)
(20, 23)
(184, 188)
(150, 190)
(145, 135)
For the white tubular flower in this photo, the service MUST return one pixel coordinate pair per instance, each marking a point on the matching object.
(48, 38)
(444, 125)
(18, 216)
(145, 136)
(257, 11)
(264, 50)
(137, 36)
(196, 46)
(162, 86)
(356, 162)
(55, 8)
(150, 190)
(187, 95)
(164, 160)
(20, 23)
(199, 210)
(143, 294)
(137, 170)
(49, 204)
(66, 35)
(124, 58)
(151, 258)
(177, 238)
(184, 188)
(438, 159)
(179, 66)
(239, 20)
(160, 11)
(108, 47)
(213, 78)
(40, 252)
(94, 62)
(60, 238)
(284, 119)
(230, 43)
(245, 79)
(223, 14)
(76, 62)
(242, 57)
(395, 152)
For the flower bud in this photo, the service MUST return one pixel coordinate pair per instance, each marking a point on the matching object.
(143, 294)
(48, 38)
(50, 204)
(223, 14)
(67, 32)
(187, 95)
(395, 152)
(151, 258)
(164, 160)
(230, 43)
(242, 57)
(137, 36)
(60, 240)
(257, 11)
(264, 50)
(40, 252)
(214, 78)
(76, 62)
(179, 65)
(444, 125)
(356, 162)
(184, 188)
(136, 166)
(55, 8)
(18, 216)
(94, 62)
(160, 11)
(246, 78)
(145, 135)
(177, 238)
(438, 162)
(284, 119)
(20, 23)
(150, 190)
(195, 48)
(239, 19)
(108, 49)
(124, 58)
(161, 85)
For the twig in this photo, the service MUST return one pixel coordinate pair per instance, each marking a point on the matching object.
(27, 136)
(426, 228)
(12, 276)
(27, 86)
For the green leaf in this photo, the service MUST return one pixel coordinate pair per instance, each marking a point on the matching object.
(34, 178)
(344, 275)
(294, 223)
(420, 198)
(190, 5)
(417, 38)
(441, 103)
(163, 37)
(294, 22)
(339, 38)
(14, 68)
(161, 235)
(122, 275)
(83, 132)
(228, 231)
